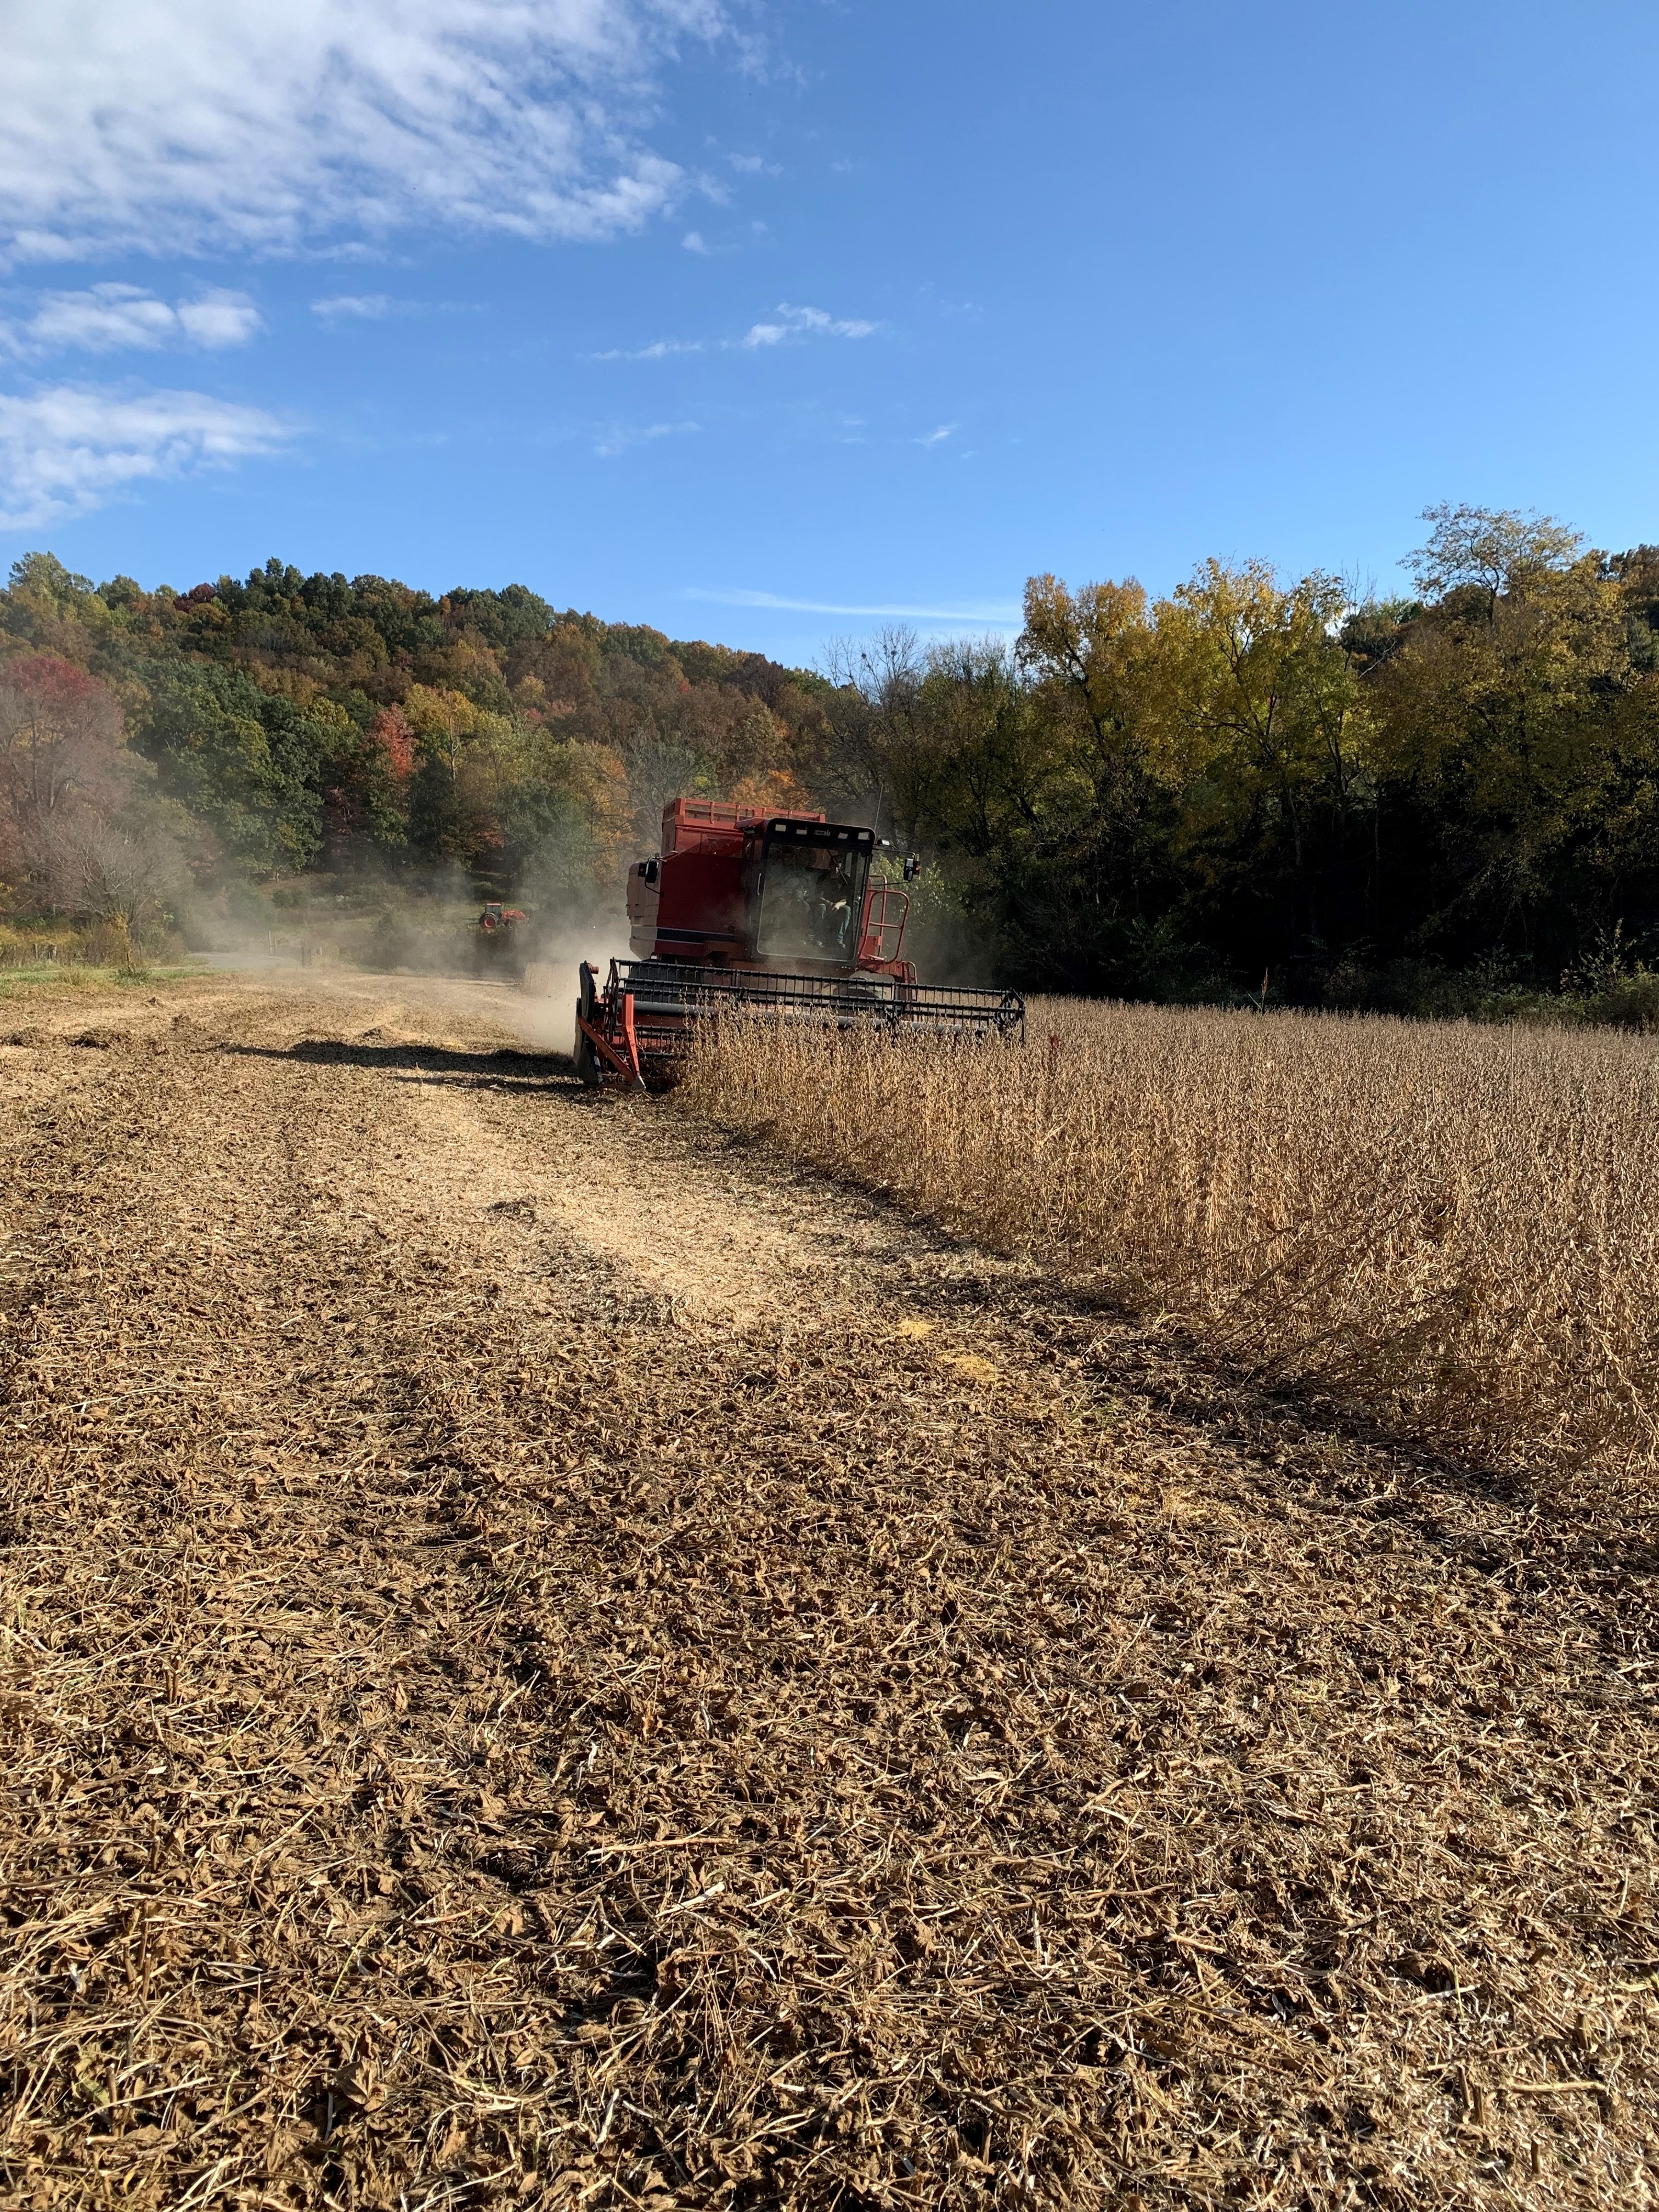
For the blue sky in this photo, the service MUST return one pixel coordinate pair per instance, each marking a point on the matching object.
(771, 323)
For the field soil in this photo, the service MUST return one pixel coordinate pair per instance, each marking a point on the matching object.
(551, 1656)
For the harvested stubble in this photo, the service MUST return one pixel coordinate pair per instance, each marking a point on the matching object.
(487, 1723)
(1455, 1227)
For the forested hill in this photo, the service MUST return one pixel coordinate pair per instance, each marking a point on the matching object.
(310, 721)
(1366, 799)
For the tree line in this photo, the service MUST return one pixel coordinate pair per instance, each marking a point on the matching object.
(1252, 783)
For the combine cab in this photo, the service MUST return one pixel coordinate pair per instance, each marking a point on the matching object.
(744, 910)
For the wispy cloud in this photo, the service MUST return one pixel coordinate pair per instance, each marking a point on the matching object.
(66, 451)
(994, 615)
(618, 440)
(325, 121)
(938, 437)
(754, 165)
(788, 326)
(805, 323)
(353, 307)
(341, 307)
(694, 242)
(125, 319)
(659, 349)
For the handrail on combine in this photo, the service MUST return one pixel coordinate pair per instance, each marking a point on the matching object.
(873, 947)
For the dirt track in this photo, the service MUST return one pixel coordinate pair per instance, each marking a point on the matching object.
(549, 1658)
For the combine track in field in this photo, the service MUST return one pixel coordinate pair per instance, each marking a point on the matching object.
(549, 1658)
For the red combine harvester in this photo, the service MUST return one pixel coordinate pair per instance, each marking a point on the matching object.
(751, 910)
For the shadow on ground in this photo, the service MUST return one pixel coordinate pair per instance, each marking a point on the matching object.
(500, 1064)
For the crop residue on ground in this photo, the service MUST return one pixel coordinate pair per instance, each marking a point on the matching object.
(533, 1673)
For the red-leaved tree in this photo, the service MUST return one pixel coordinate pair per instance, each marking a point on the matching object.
(395, 740)
(67, 782)
(60, 739)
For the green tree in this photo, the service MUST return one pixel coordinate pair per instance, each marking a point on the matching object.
(245, 763)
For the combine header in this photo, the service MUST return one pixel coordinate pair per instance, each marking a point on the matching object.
(747, 910)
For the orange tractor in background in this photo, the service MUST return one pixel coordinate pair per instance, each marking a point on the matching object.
(499, 929)
(747, 909)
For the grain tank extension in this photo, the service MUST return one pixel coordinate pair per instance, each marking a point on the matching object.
(747, 909)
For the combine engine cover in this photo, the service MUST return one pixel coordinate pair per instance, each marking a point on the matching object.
(744, 909)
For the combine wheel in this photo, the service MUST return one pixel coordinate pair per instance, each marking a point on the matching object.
(587, 1060)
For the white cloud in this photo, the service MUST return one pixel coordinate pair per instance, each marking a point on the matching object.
(804, 322)
(793, 323)
(995, 616)
(123, 318)
(151, 127)
(694, 243)
(219, 319)
(103, 320)
(375, 307)
(66, 451)
(350, 307)
(659, 349)
(754, 164)
(938, 437)
(618, 441)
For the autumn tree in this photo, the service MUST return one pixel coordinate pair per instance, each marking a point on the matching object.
(78, 823)
(61, 739)
(1513, 719)
(1494, 551)
(1092, 655)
